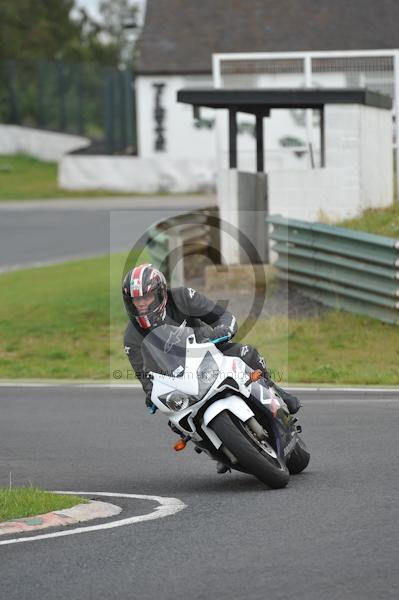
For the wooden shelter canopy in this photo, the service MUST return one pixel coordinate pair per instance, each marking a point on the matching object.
(260, 102)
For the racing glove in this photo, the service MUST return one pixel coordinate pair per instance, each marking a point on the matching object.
(152, 409)
(204, 333)
(221, 331)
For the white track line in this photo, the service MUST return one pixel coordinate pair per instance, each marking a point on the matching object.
(168, 506)
(49, 263)
(369, 389)
(68, 384)
(128, 386)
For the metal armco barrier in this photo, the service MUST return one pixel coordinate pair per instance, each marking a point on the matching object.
(172, 241)
(342, 268)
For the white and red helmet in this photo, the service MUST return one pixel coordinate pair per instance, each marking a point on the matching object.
(139, 283)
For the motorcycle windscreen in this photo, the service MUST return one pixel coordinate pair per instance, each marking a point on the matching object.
(164, 350)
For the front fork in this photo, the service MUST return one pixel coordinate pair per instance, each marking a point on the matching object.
(278, 422)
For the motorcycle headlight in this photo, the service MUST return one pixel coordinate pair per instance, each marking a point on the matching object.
(207, 374)
(177, 401)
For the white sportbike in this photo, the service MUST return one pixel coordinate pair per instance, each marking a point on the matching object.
(222, 406)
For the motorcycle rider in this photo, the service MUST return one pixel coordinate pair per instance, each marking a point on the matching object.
(150, 303)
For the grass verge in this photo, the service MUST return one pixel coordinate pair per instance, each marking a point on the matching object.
(62, 322)
(337, 348)
(25, 178)
(55, 321)
(382, 221)
(16, 503)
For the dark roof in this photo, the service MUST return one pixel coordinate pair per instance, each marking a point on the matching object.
(258, 101)
(179, 36)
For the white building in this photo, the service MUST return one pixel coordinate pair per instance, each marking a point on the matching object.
(180, 152)
(175, 51)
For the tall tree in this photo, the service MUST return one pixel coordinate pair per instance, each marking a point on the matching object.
(33, 28)
(46, 29)
(120, 23)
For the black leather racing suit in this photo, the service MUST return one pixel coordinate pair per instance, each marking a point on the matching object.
(198, 310)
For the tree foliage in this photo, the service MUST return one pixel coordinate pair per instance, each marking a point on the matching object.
(120, 24)
(58, 67)
(50, 29)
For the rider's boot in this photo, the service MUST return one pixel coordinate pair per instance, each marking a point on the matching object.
(221, 468)
(293, 403)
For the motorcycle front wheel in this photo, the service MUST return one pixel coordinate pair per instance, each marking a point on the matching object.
(256, 457)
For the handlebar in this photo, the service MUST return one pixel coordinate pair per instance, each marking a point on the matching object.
(225, 338)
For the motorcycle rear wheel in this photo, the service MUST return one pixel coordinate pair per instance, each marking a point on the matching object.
(255, 457)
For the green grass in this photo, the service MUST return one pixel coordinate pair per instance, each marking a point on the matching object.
(61, 322)
(25, 178)
(55, 321)
(338, 348)
(382, 221)
(16, 503)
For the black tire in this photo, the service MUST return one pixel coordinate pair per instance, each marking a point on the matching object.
(299, 458)
(249, 452)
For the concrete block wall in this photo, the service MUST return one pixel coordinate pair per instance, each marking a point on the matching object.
(358, 173)
(314, 195)
(44, 145)
(242, 211)
(134, 174)
(376, 158)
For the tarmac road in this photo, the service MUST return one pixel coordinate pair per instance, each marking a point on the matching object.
(60, 230)
(333, 533)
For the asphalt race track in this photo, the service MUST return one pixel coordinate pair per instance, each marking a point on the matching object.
(49, 231)
(333, 533)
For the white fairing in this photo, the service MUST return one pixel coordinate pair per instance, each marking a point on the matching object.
(233, 404)
(187, 382)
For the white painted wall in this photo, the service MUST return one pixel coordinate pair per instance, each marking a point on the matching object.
(376, 160)
(280, 124)
(242, 210)
(44, 145)
(228, 202)
(183, 139)
(360, 138)
(358, 173)
(133, 174)
(314, 195)
(357, 140)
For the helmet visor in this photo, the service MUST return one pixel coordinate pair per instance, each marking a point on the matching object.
(142, 305)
